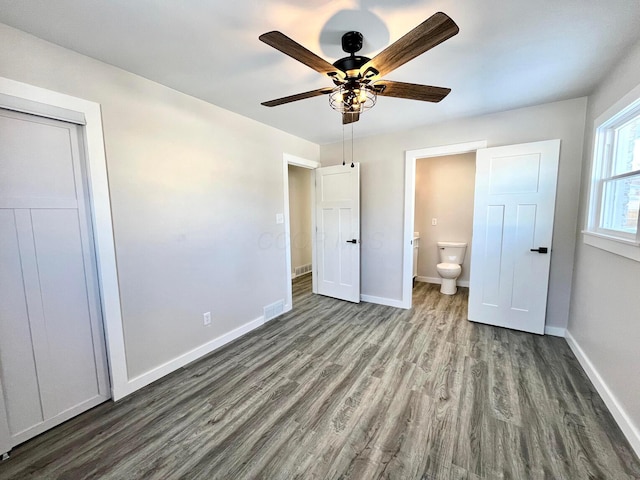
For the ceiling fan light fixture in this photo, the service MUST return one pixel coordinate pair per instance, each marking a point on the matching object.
(349, 98)
(357, 78)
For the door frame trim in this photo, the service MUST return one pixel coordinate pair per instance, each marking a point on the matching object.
(411, 156)
(100, 207)
(288, 159)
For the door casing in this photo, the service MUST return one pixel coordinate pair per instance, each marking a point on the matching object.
(287, 160)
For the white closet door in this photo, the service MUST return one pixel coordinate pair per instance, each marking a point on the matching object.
(52, 355)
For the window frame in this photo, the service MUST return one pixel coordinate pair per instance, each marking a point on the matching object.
(615, 241)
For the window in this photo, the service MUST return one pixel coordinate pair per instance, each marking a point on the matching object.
(615, 190)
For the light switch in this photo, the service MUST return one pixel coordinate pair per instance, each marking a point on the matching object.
(279, 218)
(434, 221)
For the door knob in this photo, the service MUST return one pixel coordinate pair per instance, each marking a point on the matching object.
(540, 250)
(352, 241)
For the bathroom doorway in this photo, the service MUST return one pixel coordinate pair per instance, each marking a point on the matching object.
(428, 230)
(444, 189)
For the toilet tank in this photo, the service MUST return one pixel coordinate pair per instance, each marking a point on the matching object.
(452, 252)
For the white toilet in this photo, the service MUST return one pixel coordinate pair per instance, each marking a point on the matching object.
(451, 257)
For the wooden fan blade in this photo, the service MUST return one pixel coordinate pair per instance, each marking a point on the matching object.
(350, 117)
(296, 97)
(280, 41)
(411, 91)
(433, 31)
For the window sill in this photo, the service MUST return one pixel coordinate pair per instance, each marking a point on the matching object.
(618, 246)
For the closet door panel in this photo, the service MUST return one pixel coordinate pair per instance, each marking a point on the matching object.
(36, 164)
(17, 362)
(63, 288)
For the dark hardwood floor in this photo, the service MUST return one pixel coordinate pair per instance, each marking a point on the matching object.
(336, 390)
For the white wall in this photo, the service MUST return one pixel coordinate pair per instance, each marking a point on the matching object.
(444, 190)
(300, 216)
(605, 305)
(382, 188)
(194, 191)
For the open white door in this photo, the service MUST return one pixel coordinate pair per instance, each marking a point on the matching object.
(338, 231)
(512, 230)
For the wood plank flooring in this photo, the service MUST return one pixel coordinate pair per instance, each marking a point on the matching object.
(335, 390)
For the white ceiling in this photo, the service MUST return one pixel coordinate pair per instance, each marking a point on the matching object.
(508, 54)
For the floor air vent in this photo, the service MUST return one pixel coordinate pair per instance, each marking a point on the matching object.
(273, 310)
(302, 270)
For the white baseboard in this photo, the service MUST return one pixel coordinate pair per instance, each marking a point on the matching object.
(555, 331)
(438, 280)
(152, 375)
(389, 302)
(621, 417)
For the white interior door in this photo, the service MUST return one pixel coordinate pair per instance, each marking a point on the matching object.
(338, 231)
(512, 230)
(52, 354)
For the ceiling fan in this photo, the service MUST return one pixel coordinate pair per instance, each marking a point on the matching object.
(357, 79)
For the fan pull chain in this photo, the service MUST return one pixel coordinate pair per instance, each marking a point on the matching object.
(352, 165)
(343, 162)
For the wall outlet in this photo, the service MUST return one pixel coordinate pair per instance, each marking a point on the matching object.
(434, 221)
(207, 318)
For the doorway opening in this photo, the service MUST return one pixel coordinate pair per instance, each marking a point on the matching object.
(443, 212)
(300, 207)
(299, 223)
(411, 158)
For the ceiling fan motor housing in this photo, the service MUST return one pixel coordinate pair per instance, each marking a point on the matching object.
(354, 62)
(352, 42)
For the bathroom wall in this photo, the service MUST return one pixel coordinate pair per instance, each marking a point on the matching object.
(300, 216)
(444, 190)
